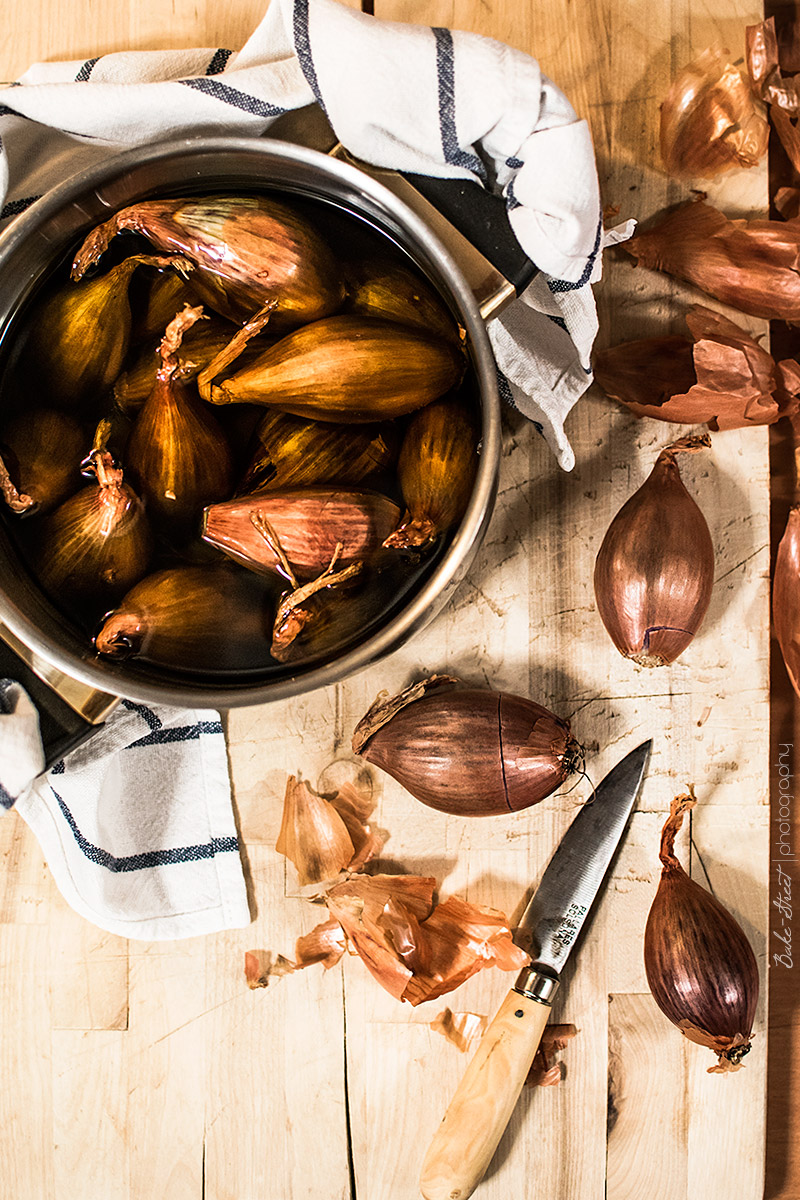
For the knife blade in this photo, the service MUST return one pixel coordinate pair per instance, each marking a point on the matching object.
(549, 929)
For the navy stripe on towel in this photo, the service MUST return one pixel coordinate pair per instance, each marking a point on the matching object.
(6, 800)
(86, 70)
(507, 396)
(144, 712)
(229, 95)
(446, 72)
(15, 207)
(179, 733)
(504, 388)
(219, 62)
(302, 46)
(559, 321)
(511, 200)
(148, 858)
(562, 285)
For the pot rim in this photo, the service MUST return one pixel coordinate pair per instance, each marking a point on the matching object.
(436, 589)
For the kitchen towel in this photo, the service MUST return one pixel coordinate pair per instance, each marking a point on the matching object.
(137, 824)
(426, 100)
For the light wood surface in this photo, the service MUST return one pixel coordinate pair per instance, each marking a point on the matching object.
(135, 1071)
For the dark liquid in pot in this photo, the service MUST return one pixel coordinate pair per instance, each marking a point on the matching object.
(346, 616)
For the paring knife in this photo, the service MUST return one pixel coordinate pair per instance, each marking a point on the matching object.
(480, 1110)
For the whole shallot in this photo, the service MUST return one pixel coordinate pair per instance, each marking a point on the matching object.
(700, 966)
(469, 751)
(655, 568)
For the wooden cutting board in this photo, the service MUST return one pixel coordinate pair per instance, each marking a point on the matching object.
(135, 1071)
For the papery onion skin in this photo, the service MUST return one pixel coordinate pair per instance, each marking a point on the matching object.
(247, 250)
(709, 123)
(312, 834)
(473, 752)
(786, 597)
(699, 964)
(779, 92)
(725, 378)
(351, 369)
(752, 265)
(654, 571)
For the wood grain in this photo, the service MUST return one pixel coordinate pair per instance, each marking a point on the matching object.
(321, 1085)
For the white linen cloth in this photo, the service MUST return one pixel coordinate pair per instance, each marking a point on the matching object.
(419, 99)
(136, 825)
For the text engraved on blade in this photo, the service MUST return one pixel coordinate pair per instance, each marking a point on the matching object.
(570, 925)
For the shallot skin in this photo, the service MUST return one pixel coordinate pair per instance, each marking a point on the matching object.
(751, 265)
(786, 597)
(655, 569)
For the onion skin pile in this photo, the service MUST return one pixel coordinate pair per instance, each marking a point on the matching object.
(468, 751)
(722, 376)
(700, 966)
(654, 571)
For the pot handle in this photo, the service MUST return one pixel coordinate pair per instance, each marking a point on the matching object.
(482, 218)
(471, 222)
(63, 727)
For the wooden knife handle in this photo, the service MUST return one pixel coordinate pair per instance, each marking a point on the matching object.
(468, 1136)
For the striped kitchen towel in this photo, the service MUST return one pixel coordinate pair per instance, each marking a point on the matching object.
(422, 100)
(137, 824)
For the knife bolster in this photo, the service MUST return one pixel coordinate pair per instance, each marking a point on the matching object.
(536, 985)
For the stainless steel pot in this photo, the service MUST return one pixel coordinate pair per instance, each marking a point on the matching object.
(54, 224)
